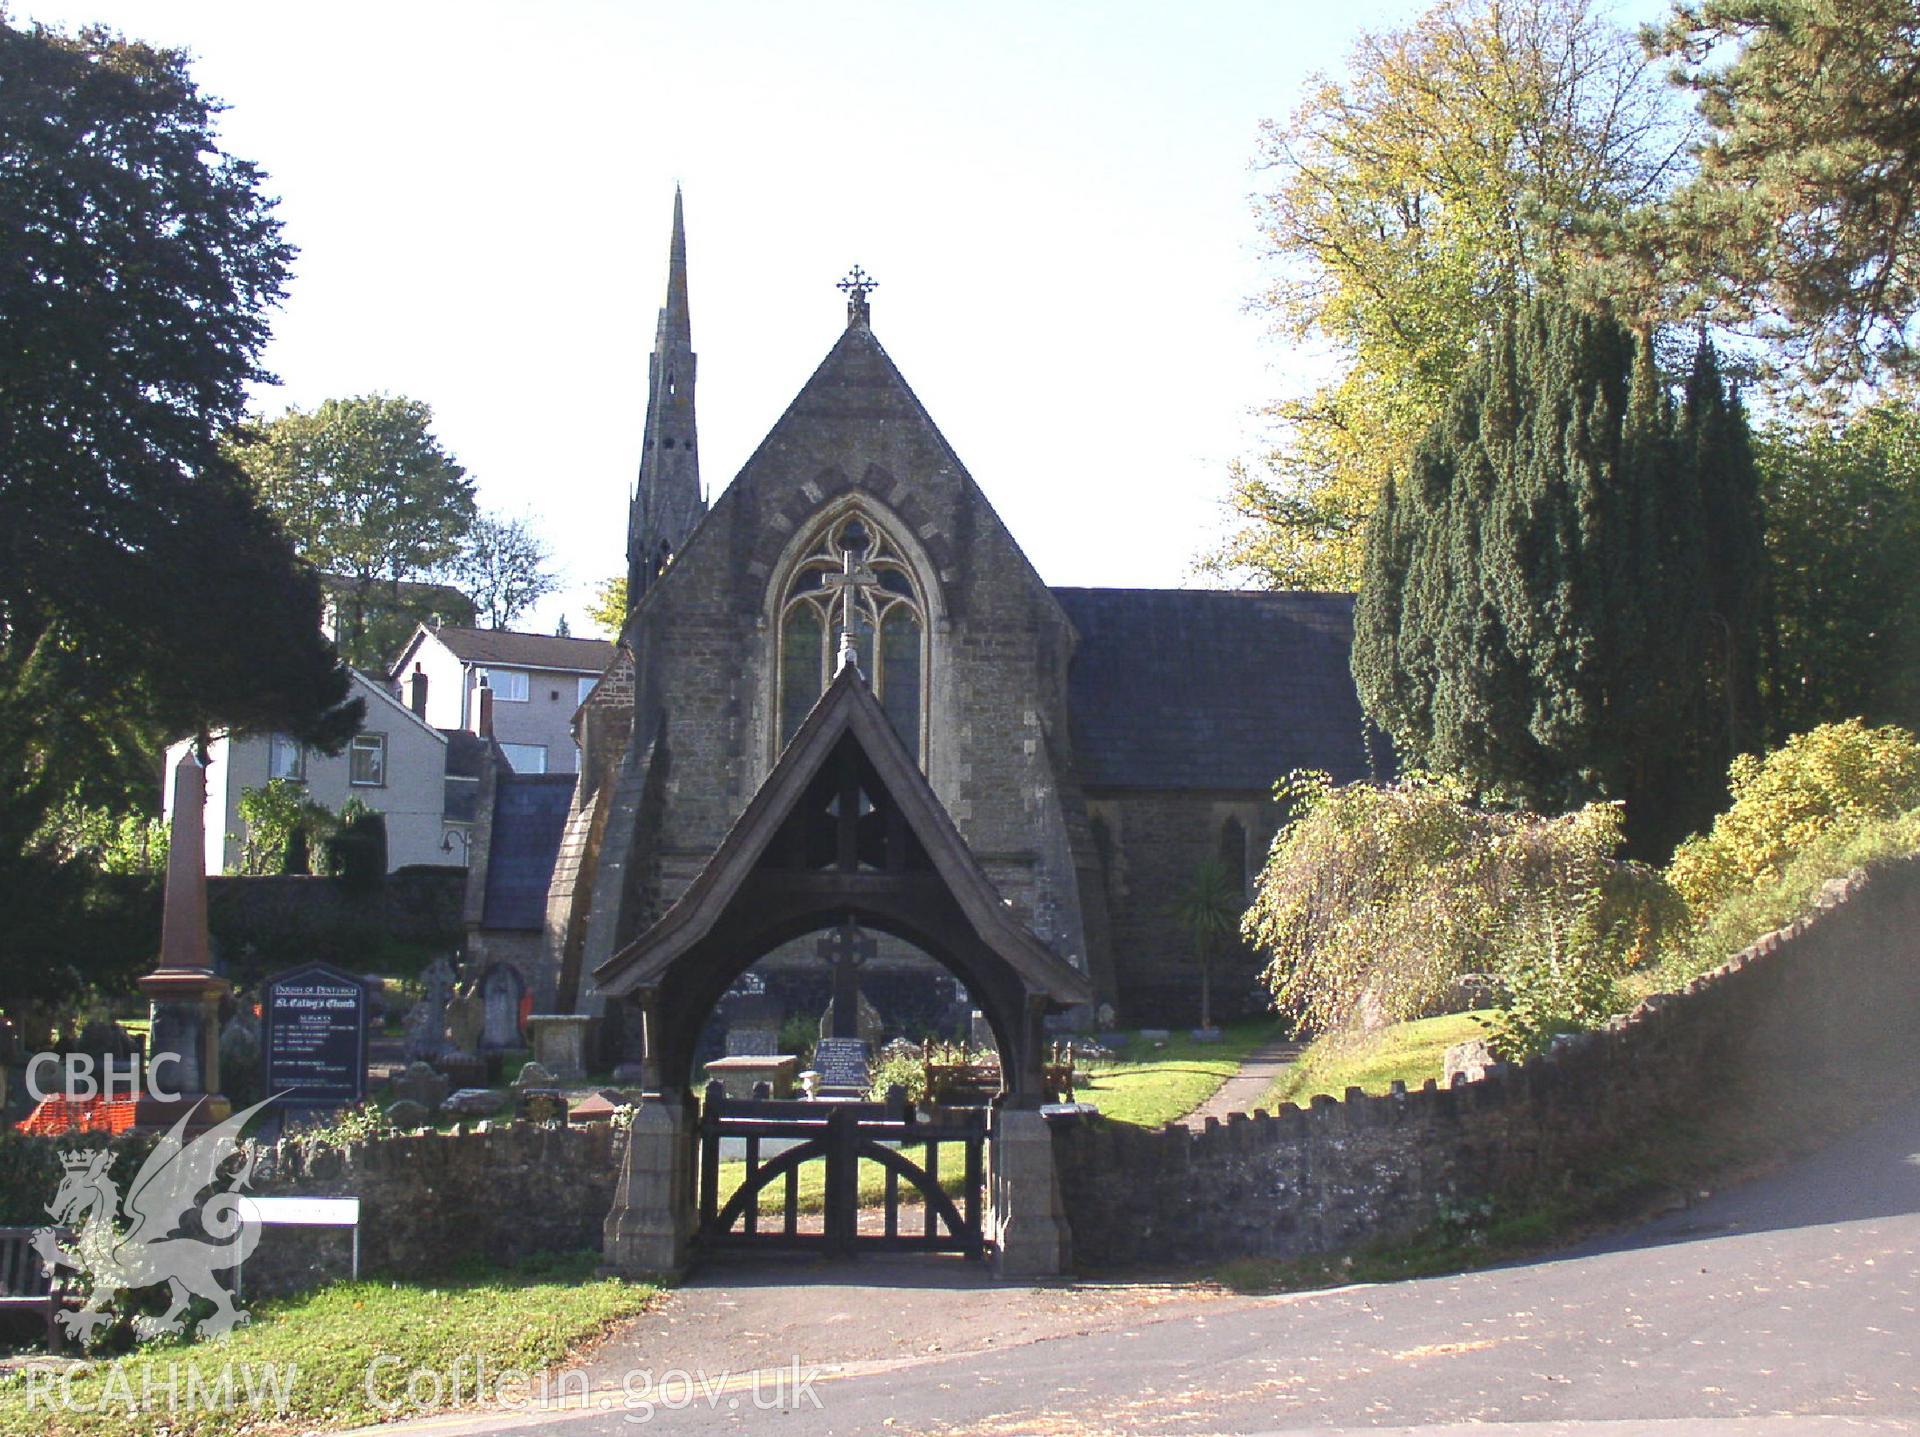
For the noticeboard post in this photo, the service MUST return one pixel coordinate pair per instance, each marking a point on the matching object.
(314, 1038)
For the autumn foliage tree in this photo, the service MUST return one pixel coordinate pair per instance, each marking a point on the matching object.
(1440, 182)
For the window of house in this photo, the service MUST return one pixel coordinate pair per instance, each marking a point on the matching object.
(586, 688)
(508, 685)
(286, 758)
(525, 757)
(367, 760)
(854, 570)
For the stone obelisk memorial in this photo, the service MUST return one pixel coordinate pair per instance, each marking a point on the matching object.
(183, 989)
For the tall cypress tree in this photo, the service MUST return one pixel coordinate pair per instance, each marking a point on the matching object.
(1563, 597)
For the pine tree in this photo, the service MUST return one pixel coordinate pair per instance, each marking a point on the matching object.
(1564, 597)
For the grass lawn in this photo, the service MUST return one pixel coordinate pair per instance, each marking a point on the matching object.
(1146, 1083)
(1409, 1052)
(1149, 1085)
(321, 1346)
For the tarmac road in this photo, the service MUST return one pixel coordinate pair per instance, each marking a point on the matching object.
(1788, 1305)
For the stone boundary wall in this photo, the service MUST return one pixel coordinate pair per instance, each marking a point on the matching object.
(1807, 1027)
(430, 1201)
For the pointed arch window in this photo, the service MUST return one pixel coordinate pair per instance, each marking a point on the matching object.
(853, 565)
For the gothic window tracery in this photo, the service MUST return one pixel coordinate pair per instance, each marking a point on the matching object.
(854, 570)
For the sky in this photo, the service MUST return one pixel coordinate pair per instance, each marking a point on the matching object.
(1056, 198)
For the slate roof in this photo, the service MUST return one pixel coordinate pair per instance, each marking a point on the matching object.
(1212, 689)
(529, 817)
(525, 651)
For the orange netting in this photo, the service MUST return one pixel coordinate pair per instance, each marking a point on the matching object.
(56, 1117)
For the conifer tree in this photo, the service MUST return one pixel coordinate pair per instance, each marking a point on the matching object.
(1564, 597)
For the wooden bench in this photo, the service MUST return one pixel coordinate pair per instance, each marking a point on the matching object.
(25, 1283)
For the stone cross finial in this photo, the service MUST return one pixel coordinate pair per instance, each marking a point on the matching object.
(857, 286)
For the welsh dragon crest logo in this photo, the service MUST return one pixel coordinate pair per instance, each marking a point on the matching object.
(171, 1235)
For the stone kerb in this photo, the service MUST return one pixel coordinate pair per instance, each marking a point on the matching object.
(1806, 999)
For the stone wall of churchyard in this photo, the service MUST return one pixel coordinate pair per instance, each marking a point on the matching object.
(1150, 844)
(432, 1201)
(1811, 1026)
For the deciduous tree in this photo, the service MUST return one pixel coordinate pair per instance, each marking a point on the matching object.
(143, 591)
(609, 610)
(504, 569)
(369, 496)
(1440, 181)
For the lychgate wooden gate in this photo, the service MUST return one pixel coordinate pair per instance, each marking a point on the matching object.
(840, 1136)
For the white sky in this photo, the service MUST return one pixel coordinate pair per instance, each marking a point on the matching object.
(1055, 198)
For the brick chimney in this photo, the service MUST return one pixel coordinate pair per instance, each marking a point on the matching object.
(417, 691)
(483, 710)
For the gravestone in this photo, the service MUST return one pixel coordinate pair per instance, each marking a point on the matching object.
(533, 1075)
(752, 1042)
(421, 1084)
(500, 992)
(406, 1115)
(846, 950)
(753, 1023)
(427, 1023)
(868, 1030)
(466, 1018)
(842, 1066)
(314, 1036)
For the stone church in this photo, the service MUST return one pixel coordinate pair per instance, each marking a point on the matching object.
(1092, 746)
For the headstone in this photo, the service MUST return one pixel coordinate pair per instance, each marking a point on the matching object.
(314, 1023)
(421, 1084)
(240, 1039)
(1472, 1058)
(500, 991)
(869, 1029)
(846, 951)
(980, 1032)
(752, 1042)
(842, 1066)
(534, 1075)
(466, 1018)
(541, 1105)
(427, 1023)
(407, 1115)
(474, 1103)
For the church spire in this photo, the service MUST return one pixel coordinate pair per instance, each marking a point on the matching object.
(667, 504)
(675, 323)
